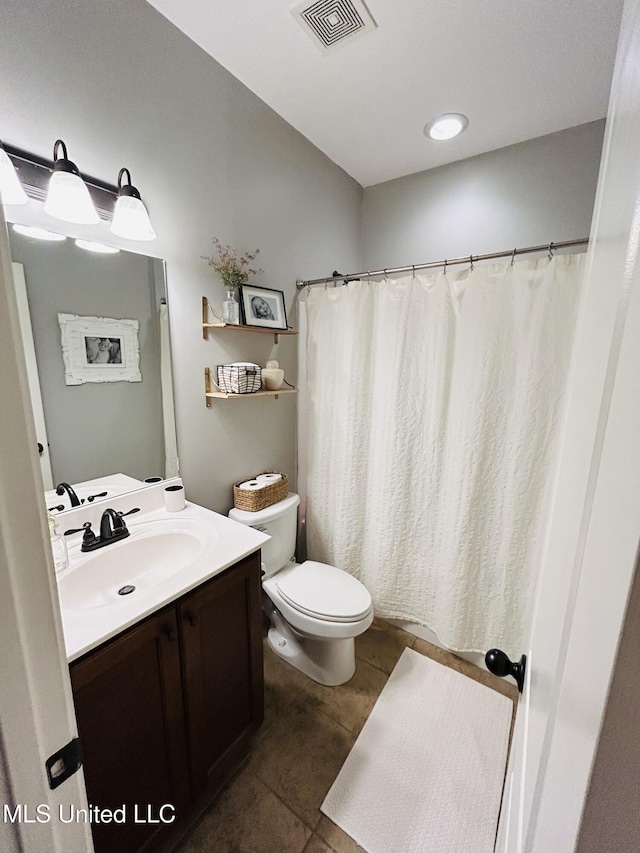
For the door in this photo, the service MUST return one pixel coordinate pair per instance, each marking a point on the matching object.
(32, 374)
(594, 531)
(128, 698)
(224, 687)
(36, 708)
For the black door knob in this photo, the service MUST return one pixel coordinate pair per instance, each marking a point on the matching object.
(172, 635)
(500, 664)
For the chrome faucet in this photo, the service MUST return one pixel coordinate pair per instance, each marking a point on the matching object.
(61, 488)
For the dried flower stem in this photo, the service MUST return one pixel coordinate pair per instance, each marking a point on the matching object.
(229, 266)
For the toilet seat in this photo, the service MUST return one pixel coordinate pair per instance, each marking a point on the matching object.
(324, 592)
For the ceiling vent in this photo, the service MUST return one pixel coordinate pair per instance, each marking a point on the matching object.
(330, 23)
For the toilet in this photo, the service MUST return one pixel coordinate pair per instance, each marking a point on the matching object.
(315, 610)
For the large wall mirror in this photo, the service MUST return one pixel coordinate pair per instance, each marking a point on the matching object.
(96, 429)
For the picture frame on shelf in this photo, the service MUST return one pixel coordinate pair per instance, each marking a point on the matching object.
(99, 349)
(263, 307)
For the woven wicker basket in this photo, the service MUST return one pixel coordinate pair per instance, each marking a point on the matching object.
(239, 378)
(255, 500)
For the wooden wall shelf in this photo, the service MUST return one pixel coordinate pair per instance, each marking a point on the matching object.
(238, 328)
(211, 392)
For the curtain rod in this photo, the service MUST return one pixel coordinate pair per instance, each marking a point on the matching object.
(468, 259)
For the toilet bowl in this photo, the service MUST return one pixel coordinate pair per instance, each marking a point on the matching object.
(315, 610)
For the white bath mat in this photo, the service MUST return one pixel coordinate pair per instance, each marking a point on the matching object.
(427, 769)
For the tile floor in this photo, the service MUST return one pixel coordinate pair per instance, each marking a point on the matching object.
(272, 803)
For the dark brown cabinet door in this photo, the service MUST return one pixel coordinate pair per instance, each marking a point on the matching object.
(129, 707)
(221, 628)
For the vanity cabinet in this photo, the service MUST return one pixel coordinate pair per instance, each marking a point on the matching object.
(165, 709)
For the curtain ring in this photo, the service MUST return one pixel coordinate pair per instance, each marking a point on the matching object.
(414, 270)
(385, 275)
(471, 262)
(368, 277)
(445, 266)
(513, 256)
(550, 251)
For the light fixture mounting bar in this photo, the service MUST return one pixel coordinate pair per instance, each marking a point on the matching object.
(34, 173)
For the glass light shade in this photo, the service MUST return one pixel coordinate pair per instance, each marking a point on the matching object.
(39, 233)
(131, 220)
(11, 190)
(446, 126)
(68, 199)
(98, 248)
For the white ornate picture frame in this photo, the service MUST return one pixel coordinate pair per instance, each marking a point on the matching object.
(99, 349)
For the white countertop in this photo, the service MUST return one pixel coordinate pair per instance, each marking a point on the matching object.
(88, 627)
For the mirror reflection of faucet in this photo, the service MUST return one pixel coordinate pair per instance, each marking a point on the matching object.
(61, 488)
(74, 500)
(105, 488)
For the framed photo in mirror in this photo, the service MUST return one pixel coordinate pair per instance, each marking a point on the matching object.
(99, 349)
(263, 307)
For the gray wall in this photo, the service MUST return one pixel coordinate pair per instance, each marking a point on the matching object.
(123, 87)
(538, 191)
(103, 428)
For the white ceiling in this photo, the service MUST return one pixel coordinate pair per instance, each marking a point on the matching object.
(517, 69)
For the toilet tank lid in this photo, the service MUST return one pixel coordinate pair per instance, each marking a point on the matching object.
(270, 513)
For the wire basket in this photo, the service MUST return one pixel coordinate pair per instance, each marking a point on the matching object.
(253, 500)
(239, 378)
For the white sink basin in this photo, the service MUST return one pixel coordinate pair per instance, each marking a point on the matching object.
(166, 555)
(154, 553)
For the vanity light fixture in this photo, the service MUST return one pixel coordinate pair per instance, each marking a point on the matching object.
(130, 217)
(68, 197)
(98, 248)
(38, 233)
(446, 126)
(11, 191)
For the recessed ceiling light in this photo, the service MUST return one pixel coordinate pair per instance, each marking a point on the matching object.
(98, 248)
(38, 233)
(446, 126)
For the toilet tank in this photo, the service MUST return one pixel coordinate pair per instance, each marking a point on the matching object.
(280, 522)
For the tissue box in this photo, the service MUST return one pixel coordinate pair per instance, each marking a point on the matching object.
(242, 377)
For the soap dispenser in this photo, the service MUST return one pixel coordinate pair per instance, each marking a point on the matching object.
(58, 546)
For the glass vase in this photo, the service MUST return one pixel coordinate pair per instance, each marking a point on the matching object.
(231, 308)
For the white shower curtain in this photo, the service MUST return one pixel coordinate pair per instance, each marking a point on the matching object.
(433, 407)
